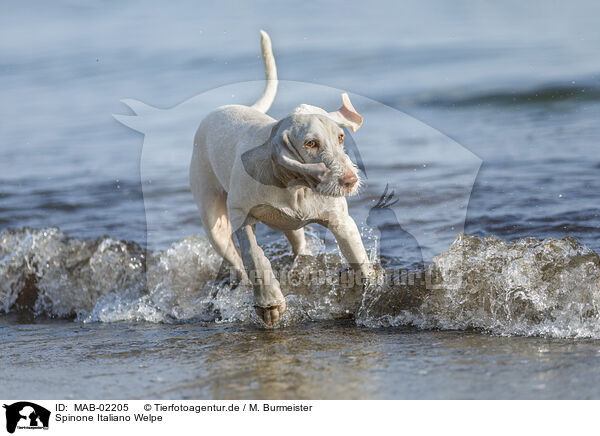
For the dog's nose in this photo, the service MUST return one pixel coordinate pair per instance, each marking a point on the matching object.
(349, 180)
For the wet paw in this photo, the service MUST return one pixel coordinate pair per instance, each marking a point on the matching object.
(270, 315)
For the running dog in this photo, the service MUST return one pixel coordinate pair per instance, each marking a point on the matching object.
(248, 167)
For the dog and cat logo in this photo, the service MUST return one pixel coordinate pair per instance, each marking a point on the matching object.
(26, 415)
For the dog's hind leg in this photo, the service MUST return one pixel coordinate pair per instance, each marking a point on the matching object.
(211, 200)
(219, 231)
(297, 241)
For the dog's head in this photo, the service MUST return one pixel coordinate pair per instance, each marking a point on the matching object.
(308, 148)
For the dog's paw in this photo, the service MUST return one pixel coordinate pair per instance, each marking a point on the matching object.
(271, 315)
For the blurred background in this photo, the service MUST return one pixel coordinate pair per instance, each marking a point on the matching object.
(516, 83)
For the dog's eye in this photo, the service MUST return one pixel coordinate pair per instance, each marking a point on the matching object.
(341, 139)
(311, 144)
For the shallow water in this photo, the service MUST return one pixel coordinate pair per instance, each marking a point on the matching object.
(328, 360)
(482, 118)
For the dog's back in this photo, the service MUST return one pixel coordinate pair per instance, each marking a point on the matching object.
(224, 134)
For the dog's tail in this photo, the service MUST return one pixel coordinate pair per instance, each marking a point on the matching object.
(266, 100)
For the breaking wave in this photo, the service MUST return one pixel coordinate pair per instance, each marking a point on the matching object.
(546, 94)
(527, 287)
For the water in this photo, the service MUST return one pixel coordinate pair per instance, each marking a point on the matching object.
(329, 360)
(482, 118)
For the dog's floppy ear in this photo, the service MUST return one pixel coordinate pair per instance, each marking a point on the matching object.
(287, 158)
(346, 115)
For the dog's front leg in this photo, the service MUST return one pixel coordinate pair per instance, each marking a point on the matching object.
(270, 303)
(346, 234)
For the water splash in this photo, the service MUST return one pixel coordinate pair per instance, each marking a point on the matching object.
(526, 287)
(49, 273)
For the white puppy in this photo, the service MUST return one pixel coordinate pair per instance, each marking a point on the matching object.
(248, 167)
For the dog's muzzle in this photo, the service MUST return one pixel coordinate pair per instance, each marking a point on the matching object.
(348, 180)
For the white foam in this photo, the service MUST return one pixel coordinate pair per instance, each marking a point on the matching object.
(527, 287)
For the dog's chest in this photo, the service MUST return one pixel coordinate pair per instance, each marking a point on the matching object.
(299, 211)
